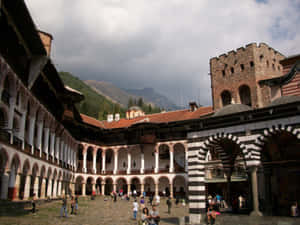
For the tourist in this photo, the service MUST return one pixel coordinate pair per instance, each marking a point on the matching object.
(211, 215)
(76, 204)
(121, 192)
(169, 204)
(134, 193)
(142, 202)
(135, 208)
(157, 199)
(63, 210)
(154, 217)
(72, 204)
(177, 199)
(145, 216)
(150, 199)
(164, 193)
(144, 194)
(33, 203)
(295, 210)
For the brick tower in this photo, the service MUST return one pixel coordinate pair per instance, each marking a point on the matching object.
(235, 75)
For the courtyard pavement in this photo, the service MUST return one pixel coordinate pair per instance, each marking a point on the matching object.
(100, 212)
(90, 212)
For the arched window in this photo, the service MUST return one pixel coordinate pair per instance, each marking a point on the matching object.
(226, 98)
(245, 95)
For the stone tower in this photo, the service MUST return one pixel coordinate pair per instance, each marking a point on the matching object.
(235, 75)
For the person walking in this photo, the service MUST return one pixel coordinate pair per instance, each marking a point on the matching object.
(142, 202)
(154, 217)
(72, 204)
(145, 216)
(63, 210)
(169, 204)
(157, 199)
(151, 199)
(76, 204)
(135, 208)
(33, 203)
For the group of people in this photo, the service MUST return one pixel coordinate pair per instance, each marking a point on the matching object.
(148, 217)
(73, 205)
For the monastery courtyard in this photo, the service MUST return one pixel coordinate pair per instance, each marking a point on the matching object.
(100, 212)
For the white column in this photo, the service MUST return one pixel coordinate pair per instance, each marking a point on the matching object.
(255, 211)
(84, 162)
(103, 188)
(4, 185)
(43, 188)
(116, 161)
(57, 149)
(156, 169)
(32, 121)
(22, 129)
(36, 186)
(142, 163)
(27, 187)
(171, 169)
(46, 141)
(94, 162)
(54, 188)
(129, 162)
(12, 103)
(103, 160)
(83, 189)
(49, 188)
(52, 140)
(61, 150)
(59, 188)
(39, 136)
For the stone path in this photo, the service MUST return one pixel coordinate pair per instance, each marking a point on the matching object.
(90, 212)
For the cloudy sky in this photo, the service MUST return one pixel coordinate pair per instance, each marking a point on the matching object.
(164, 44)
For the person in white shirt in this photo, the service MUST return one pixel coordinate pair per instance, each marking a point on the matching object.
(135, 208)
(157, 198)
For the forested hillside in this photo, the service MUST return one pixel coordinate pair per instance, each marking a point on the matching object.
(94, 104)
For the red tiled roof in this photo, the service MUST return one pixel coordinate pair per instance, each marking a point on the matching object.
(165, 117)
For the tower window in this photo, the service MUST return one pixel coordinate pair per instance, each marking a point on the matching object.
(232, 70)
(242, 67)
(251, 64)
(278, 67)
(267, 62)
(273, 66)
(226, 98)
(223, 73)
(261, 57)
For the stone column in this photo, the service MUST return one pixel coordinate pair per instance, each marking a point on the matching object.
(129, 162)
(255, 211)
(52, 141)
(103, 161)
(142, 188)
(103, 188)
(46, 141)
(22, 128)
(128, 188)
(39, 136)
(57, 149)
(54, 193)
(186, 162)
(94, 162)
(84, 162)
(36, 186)
(17, 186)
(116, 161)
(31, 133)
(83, 189)
(156, 189)
(27, 187)
(59, 188)
(12, 103)
(156, 168)
(49, 188)
(93, 188)
(142, 163)
(171, 169)
(43, 188)
(4, 185)
(115, 187)
(171, 190)
(228, 178)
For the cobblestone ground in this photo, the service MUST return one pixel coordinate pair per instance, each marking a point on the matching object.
(90, 212)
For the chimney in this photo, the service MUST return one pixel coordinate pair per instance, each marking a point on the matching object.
(46, 38)
(110, 118)
(193, 106)
(117, 116)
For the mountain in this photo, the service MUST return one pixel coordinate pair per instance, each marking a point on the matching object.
(123, 96)
(150, 95)
(94, 104)
(111, 92)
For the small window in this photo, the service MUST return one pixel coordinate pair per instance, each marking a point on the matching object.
(267, 62)
(278, 68)
(232, 70)
(242, 67)
(273, 66)
(251, 64)
(235, 61)
(261, 57)
(223, 73)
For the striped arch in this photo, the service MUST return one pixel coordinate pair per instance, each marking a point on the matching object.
(214, 141)
(255, 154)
